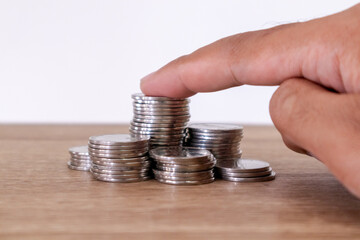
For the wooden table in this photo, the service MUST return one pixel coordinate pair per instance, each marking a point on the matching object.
(40, 198)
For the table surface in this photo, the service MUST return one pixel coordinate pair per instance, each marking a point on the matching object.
(40, 198)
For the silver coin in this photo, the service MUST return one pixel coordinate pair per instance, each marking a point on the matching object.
(243, 165)
(158, 125)
(119, 147)
(214, 134)
(143, 97)
(179, 153)
(213, 145)
(184, 168)
(250, 179)
(122, 160)
(158, 129)
(189, 161)
(118, 139)
(72, 159)
(210, 180)
(118, 151)
(103, 155)
(183, 176)
(223, 140)
(162, 135)
(78, 168)
(244, 175)
(78, 164)
(135, 166)
(160, 120)
(160, 114)
(165, 137)
(164, 144)
(165, 140)
(215, 127)
(120, 175)
(171, 117)
(121, 167)
(160, 105)
(162, 109)
(120, 172)
(128, 180)
(79, 150)
(193, 178)
(80, 157)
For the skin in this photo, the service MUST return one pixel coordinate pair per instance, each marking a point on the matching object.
(317, 65)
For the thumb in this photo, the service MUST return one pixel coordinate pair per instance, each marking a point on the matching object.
(323, 123)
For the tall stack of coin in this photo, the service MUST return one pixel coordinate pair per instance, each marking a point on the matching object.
(183, 166)
(120, 158)
(222, 139)
(163, 119)
(79, 158)
(245, 170)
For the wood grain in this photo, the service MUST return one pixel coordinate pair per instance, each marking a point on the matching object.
(40, 198)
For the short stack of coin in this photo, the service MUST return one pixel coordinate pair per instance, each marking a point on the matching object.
(163, 119)
(80, 159)
(222, 139)
(183, 166)
(245, 170)
(120, 158)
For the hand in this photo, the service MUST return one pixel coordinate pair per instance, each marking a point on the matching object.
(305, 59)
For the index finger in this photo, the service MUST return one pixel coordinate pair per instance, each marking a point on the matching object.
(266, 57)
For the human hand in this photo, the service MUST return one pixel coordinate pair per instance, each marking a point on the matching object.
(304, 59)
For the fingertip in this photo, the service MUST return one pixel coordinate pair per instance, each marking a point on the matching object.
(145, 83)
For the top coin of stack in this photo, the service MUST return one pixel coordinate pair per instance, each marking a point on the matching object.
(119, 158)
(163, 119)
(222, 139)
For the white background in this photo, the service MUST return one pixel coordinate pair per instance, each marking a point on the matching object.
(79, 61)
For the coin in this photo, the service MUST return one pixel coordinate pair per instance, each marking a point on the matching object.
(152, 113)
(119, 147)
(159, 105)
(118, 152)
(184, 168)
(191, 182)
(141, 96)
(118, 139)
(78, 168)
(179, 154)
(250, 179)
(215, 127)
(244, 165)
(79, 150)
(158, 125)
(244, 175)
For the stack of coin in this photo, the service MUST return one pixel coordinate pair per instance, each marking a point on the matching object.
(222, 139)
(245, 170)
(80, 159)
(120, 158)
(183, 166)
(163, 119)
